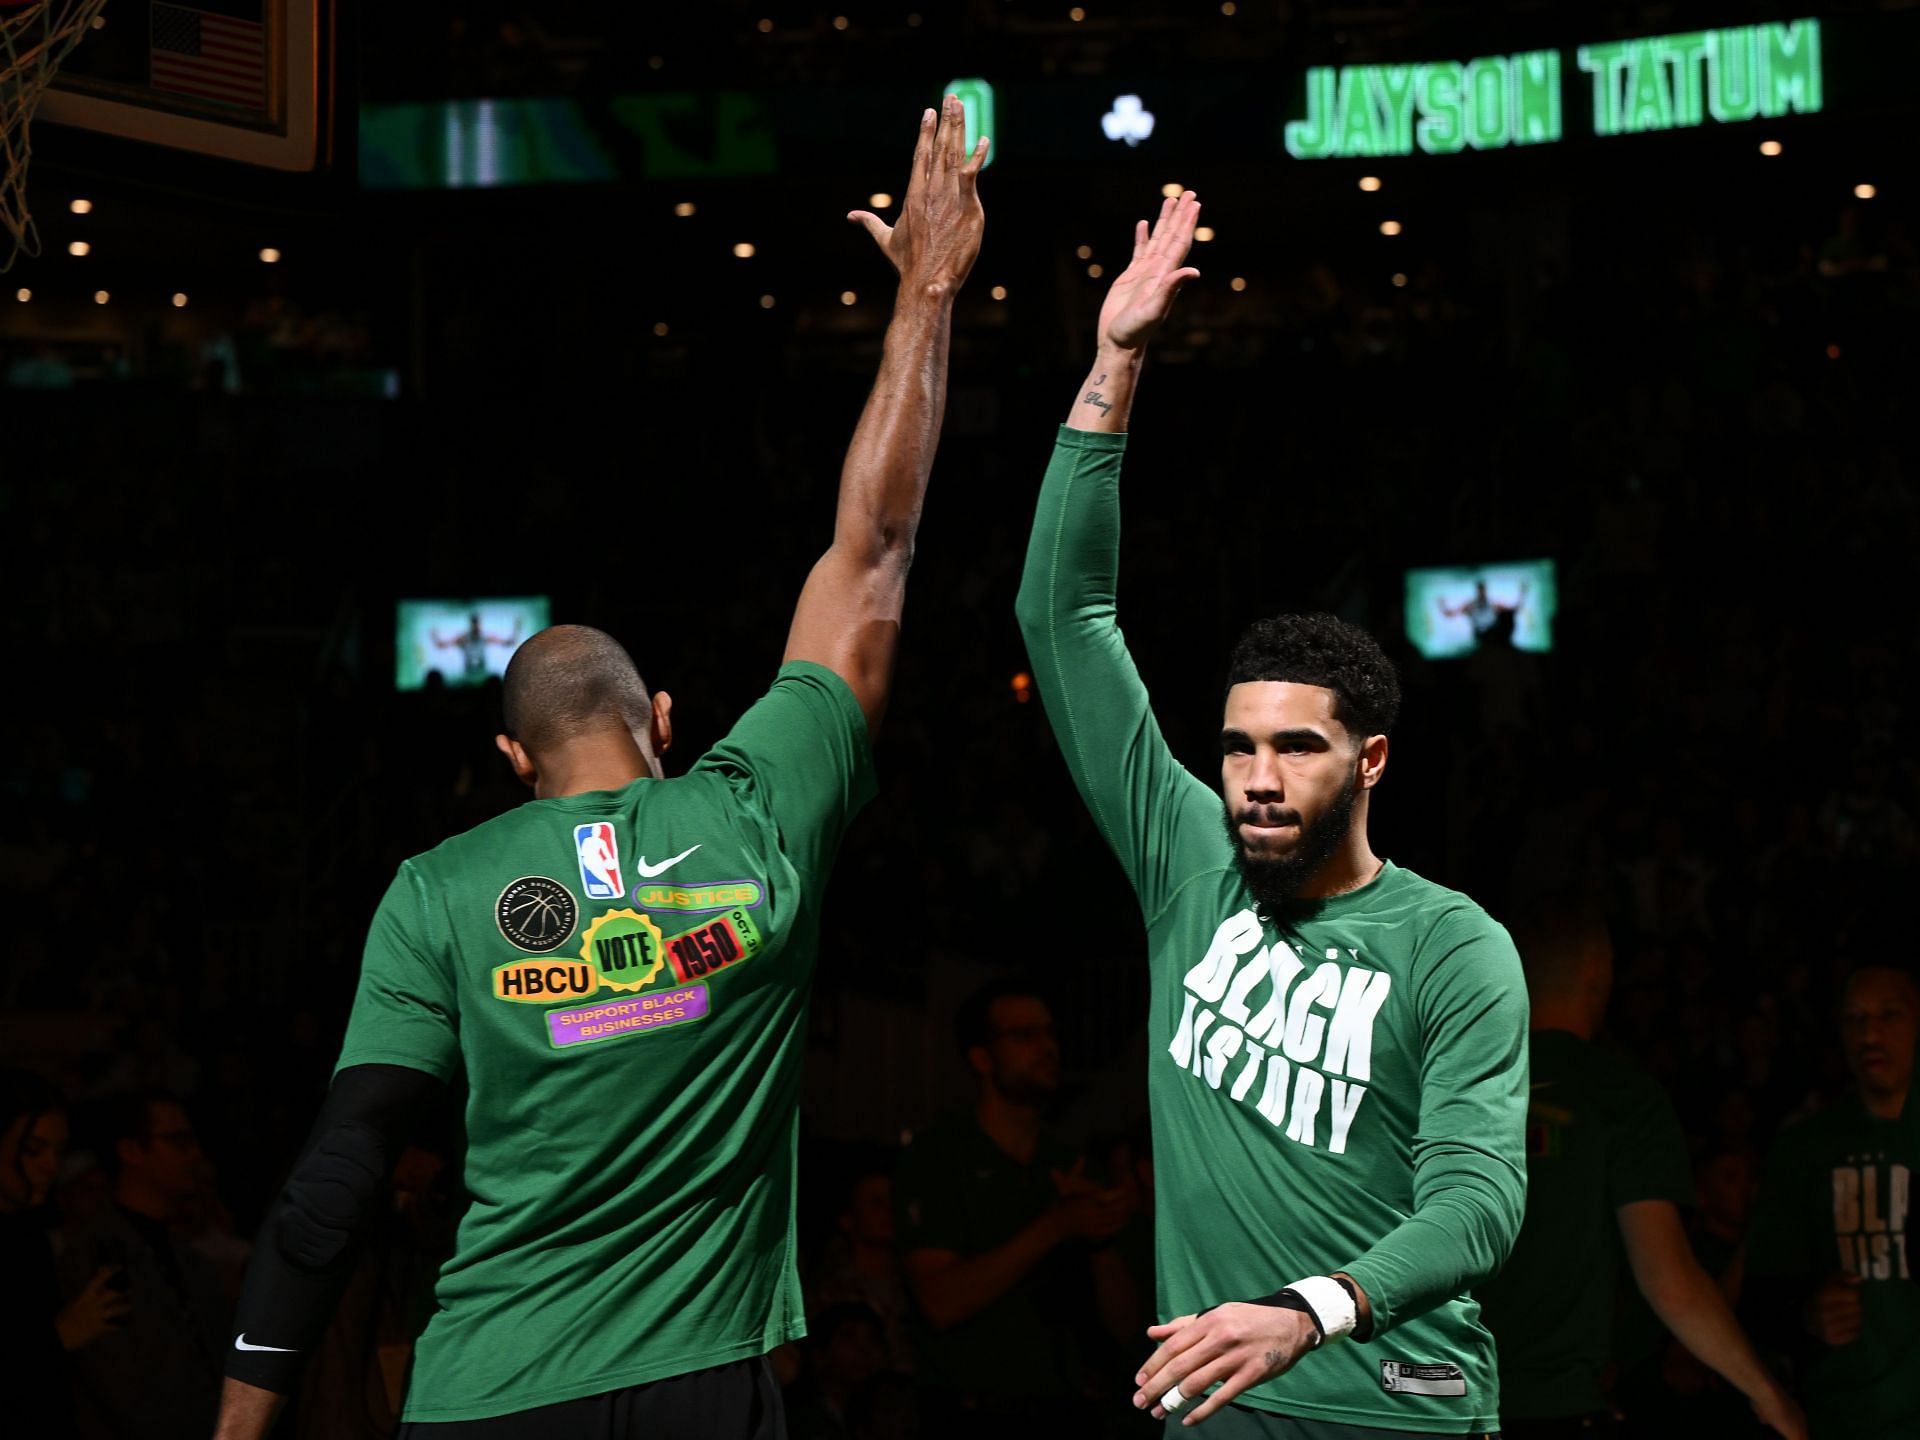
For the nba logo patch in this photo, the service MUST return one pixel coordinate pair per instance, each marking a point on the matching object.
(599, 861)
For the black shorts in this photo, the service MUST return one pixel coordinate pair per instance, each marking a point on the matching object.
(729, 1402)
(1241, 1422)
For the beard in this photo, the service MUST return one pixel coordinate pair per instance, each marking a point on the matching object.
(1276, 882)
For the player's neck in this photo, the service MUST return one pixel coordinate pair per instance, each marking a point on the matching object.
(1354, 864)
(1014, 1127)
(594, 762)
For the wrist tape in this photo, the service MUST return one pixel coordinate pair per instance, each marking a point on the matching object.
(1325, 1301)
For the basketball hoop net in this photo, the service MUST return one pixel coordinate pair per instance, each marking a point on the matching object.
(35, 36)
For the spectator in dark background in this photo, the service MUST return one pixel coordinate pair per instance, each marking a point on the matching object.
(994, 1215)
(860, 1263)
(1605, 1157)
(1830, 1261)
(1130, 1166)
(1725, 1181)
(846, 1347)
(157, 1375)
(35, 1388)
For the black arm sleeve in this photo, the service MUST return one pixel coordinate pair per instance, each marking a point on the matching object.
(307, 1247)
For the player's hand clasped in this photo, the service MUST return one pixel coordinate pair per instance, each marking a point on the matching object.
(1234, 1346)
(934, 243)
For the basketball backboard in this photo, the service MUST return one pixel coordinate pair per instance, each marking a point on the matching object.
(245, 80)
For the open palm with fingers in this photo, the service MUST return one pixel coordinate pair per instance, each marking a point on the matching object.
(938, 234)
(1143, 294)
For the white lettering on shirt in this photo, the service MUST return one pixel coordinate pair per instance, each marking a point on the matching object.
(1306, 1051)
(1869, 1230)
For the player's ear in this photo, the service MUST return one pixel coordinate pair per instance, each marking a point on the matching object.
(517, 757)
(661, 729)
(1373, 761)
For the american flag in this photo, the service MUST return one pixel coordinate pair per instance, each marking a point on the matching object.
(213, 57)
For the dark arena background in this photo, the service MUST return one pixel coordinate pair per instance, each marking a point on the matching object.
(559, 304)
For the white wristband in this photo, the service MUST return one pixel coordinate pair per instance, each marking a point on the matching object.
(1332, 1307)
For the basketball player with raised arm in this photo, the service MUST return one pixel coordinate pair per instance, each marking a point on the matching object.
(619, 970)
(1337, 1061)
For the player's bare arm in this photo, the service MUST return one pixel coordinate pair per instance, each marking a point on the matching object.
(848, 618)
(1140, 299)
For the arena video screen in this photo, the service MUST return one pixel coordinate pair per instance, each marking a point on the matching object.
(464, 642)
(1455, 610)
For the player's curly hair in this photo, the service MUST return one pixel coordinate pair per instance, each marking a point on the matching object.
(1325, 651)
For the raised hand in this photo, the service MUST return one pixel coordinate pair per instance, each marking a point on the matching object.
(938, 234)
(1143, 294)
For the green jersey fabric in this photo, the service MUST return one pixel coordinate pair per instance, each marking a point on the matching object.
(622, 976)
(1835, 1197)
(1343, 1091)
(1600, 1134)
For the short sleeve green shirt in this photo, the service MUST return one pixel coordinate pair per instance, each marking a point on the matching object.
(1600, 1135)
(622, 976)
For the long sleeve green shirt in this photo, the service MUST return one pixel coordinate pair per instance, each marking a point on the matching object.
(1343, 1090)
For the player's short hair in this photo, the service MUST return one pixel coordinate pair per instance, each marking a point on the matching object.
(1325, 651)
(567, 681)
(973, 1021)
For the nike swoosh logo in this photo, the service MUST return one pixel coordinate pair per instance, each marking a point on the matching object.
(241, 1344)
(649, 871)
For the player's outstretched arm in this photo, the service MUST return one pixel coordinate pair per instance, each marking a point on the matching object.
(1137, 792)
(1140, 300)
(848, 618)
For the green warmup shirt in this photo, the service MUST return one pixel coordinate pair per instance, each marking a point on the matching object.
(1835, 1197)
(1344, 1091)
(1600, 1134)
(623, 976)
